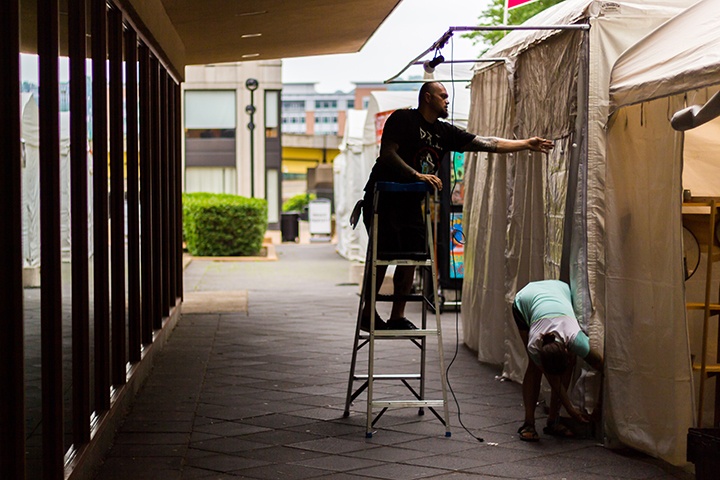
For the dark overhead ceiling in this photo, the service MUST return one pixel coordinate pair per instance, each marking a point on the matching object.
(198, 32)
(227, 30)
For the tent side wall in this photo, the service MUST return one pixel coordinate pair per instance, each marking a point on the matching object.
(647, 355)
(531, 249)
(349, 177)
(485, 222)
(516, 203)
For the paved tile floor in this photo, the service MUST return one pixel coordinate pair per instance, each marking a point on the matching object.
(257, 391)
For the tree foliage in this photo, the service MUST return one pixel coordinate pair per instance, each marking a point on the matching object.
(494, 15)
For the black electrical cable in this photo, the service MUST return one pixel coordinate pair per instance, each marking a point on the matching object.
(454, 264)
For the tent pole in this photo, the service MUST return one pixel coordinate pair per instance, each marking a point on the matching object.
(442, 41)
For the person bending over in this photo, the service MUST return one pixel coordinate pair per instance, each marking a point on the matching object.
(548, 327)
(413, 143)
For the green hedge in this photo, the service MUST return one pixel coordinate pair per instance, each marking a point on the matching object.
(298, 202)
(223, 224)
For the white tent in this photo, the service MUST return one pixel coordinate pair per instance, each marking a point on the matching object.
(352, 172)
(529, 217)
(349, 175)
(676, 65)
(30, 188)
(30, 131)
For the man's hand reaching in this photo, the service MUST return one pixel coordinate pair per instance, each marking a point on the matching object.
(538, 144)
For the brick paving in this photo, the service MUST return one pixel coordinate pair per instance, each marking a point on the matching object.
(252, 384)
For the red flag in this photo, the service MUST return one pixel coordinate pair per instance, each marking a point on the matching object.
(517, 3)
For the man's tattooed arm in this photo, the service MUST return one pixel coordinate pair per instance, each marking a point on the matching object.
(482, 144)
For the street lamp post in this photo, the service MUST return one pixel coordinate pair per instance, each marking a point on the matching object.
(252, 85)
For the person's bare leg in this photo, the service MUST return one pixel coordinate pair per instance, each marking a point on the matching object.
(379, 277)
(402, 284)
(530, 385)
(531, 390)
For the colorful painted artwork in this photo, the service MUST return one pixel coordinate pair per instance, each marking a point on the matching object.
(457, 246)
(457, 179)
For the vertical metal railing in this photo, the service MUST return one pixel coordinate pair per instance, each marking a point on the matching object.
(163, 169)
(140, 83)
(146, 210)
(156, 233)
(171, 190)
(117, 199)
(178, 192)
(175, 260)
(12, 398)
(168, 163)
(50, 277)
(79, 225)
(133, 201)
(101, 282)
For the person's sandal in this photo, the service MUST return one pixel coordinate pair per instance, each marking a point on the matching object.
(557, 429)
(528, 433)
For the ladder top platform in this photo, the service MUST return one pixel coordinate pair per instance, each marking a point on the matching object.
(403, 187)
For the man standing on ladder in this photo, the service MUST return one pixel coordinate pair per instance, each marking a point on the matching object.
(413, 144)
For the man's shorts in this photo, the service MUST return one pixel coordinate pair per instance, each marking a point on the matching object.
(401, 226)
(519, 319)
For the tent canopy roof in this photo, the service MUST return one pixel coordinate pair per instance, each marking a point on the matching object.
(572, 12)
(680, 55)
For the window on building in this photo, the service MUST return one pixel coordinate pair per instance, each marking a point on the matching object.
(210, 124)
(325, 104)
(350, 104)
(293, 105)
(272, 114)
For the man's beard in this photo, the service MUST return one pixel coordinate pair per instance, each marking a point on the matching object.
(444, 114)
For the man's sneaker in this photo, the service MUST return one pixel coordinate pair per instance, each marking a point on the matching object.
(400, 324)
(379, 324)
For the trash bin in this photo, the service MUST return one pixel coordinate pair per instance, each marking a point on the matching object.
(703, 449)
(289, 227)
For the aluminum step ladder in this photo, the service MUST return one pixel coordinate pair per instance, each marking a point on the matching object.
(420, 337)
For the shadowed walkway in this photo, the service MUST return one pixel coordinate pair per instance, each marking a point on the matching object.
(252, 384)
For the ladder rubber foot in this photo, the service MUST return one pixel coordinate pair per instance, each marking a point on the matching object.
(421, 411)
(368, 434)
(448, 434)
(346, 414)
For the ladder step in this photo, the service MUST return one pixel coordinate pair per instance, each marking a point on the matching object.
(391, 376)
(407, 403)
(406, 298)
(427, 332)
(405, 261)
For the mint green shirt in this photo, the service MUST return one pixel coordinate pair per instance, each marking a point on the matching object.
(547, 307)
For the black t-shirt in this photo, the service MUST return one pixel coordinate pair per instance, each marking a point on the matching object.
(421, 145)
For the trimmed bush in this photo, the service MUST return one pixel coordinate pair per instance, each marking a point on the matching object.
(223, 224)
(298, 202)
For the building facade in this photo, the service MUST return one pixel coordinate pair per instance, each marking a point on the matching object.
(308, 112)
(232, 135)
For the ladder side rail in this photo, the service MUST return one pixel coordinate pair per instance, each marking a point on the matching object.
(373, 293)
(441, 355)
(357, 344)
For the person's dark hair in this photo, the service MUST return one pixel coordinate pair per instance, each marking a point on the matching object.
(553, 355)
(426, 88)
